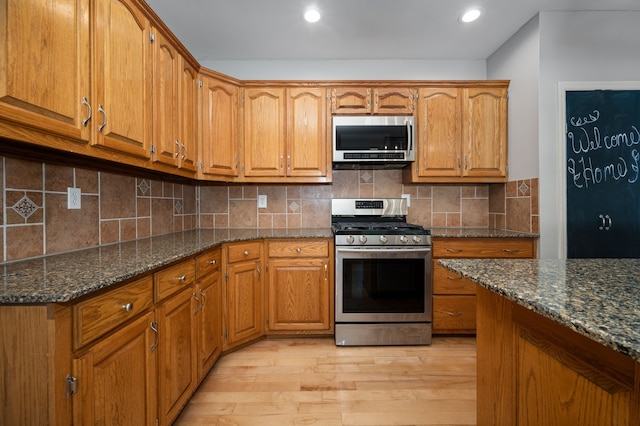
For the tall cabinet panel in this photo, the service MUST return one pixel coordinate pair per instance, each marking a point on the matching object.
(307, 132)
(44, 58)
(121, 84)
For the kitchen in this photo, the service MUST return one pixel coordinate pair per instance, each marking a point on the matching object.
(458, 206)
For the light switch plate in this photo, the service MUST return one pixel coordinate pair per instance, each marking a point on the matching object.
(74, 197)
(262, 201)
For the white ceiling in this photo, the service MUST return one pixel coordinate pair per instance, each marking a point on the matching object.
(225, 30)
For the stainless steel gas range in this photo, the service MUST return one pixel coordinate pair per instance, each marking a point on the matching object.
(383, 274)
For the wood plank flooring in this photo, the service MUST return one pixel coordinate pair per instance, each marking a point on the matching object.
(310, 381)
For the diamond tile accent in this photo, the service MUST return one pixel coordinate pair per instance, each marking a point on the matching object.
(25, 207)
(293, 206)
(178, 206)
(144, 187)
(366, 176)
(524, 188)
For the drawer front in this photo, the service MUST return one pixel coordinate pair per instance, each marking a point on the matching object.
(454, 314)
(448, 282)
(244, 251)
(299, 248)
(172, 279)
(99, 315)
(517, 248)
(208, 262)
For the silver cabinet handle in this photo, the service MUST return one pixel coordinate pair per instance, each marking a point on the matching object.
(511, 250)
(450, 250)
(86, 120)
(601, 227)
(204, 298)
(212, 262)
(449, 277)
(128, 307)
(177, 150)
(453, 314)
(246, 252)
(609, 222)
(298, 250)
(154, 326)
(198, 306)
(183, 278)
(104, 115)
(184, 151)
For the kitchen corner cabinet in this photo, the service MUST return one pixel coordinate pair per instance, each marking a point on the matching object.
(454, 297)
(366, 100)
(220, 137)
(38, 44)
(286, 135)
(461, 135)
(174, 103)
(243, 293)
(208, 310)
(300, 286)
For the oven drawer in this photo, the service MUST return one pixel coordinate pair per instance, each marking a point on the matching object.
(299, 248)
(517, 248)
(454, 314)
(448, 282)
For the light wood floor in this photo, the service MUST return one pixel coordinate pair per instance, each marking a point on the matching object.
(312, 382)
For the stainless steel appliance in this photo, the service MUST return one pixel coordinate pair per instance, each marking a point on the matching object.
(383, 274)
(377, 141)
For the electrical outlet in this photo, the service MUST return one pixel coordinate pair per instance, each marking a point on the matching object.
(408, 197)
(74, 197)
(262, 201)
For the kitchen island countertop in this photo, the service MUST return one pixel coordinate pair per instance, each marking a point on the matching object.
(598, 298)
(63, 277)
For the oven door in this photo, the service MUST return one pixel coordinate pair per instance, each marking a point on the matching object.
(385, 284)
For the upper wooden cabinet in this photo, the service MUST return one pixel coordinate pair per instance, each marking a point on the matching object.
(219, 153)
(44, 58)
(174, 106)
(365, 100)
(121, 85)
(285, 135)
(461, 135)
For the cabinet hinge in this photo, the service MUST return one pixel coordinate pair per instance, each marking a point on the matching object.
(153, 149)
(201, 165)
(416, 96)
(152, 37)
(226, 276)
(267, 319)
(199, 83)
(266, 267)
(71, 385)
(226, 334)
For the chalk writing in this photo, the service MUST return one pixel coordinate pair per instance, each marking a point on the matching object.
(581, 121)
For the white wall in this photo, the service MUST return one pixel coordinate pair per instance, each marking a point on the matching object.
(575, 46)
(352, 69)
(518, 60)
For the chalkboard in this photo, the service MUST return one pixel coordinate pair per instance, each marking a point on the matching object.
(603, 173)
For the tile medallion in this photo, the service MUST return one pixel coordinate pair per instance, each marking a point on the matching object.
(25, 207)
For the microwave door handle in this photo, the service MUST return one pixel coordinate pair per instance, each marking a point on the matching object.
(410, 135)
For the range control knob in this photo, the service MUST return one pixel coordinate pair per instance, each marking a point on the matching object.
(363, 239)
(404, 239)
(384, 239)
(417, 239)
(350, 239)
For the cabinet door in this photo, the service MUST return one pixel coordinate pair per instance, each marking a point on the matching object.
(393, 101)
(44, 58)
(351, 100)
(438, 132)
(209, 323)
(219, 128)
(117, 378)
(176, 354)
(166, 147)
(484, 132)
(243, 304)
(264, 132)
(307, 141)
(299, 298)
(187, 115)
(122, 78)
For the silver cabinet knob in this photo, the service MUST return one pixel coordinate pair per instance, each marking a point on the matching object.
(127, 307)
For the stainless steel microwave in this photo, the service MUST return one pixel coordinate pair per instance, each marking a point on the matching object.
(375, 139)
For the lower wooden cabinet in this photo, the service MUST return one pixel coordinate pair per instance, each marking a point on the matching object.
(208, 311)
(300, 287)
(116, 378)
(243, 293)
(454, 297)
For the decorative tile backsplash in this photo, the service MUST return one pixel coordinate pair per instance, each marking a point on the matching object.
(35, 219)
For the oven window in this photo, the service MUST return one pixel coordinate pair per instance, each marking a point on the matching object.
(383, 285)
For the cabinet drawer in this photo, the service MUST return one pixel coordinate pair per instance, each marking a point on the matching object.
(99, 315)
(483, 248)
(448, 282)
(454, 314)
(244, 251)
(299, 248)
(208, 262)
(173, 279)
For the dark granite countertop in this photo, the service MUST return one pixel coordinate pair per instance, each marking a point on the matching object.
(66, 276)
(598, 298)
(479, 233)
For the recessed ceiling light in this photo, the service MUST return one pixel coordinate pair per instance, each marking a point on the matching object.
(471, 15)
(312, 15)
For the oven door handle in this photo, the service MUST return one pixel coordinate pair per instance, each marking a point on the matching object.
(393, 250)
